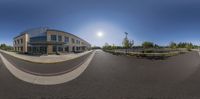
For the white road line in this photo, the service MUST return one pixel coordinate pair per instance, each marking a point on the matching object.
(46, 80)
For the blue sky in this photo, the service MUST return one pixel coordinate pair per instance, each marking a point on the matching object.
(159, 21)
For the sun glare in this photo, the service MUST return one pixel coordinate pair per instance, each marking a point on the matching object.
(99, 34)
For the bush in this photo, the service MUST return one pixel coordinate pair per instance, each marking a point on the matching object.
(173, 45)
(148, 51)
(147, 45)
(148, 55)
(6, 47)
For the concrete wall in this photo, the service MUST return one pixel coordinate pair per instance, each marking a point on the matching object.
(17, 45)
(50, 49)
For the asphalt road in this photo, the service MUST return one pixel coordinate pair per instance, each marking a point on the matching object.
(117, 77)
(43, 69)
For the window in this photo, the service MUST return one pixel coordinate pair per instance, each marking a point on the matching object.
(53, 38)
(66, 39)
(21, 41)
(77, 42)
(73, 48)
(38, 39)
(67, 49)
(17, 41)
(73, 41)
(60, 38)
(54, 48)
(60, 49)
(77, 48)
(21, 49)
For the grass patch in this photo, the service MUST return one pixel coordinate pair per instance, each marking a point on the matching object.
(149, 54)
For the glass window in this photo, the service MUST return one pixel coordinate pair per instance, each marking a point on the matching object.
(73, 41)
(38, 39)
(21, 49)
(53, 38)
(67, 49)
(77, 41)
(60, 38)
(21, 40)
(54, 48)
(66, 39)
(77, 48)
(60, 49)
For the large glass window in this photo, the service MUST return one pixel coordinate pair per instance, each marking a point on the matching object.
(53, 38)
(67, 48)
(60, 38)
(38, 39)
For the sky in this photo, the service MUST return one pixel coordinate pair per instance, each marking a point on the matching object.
(158, 21)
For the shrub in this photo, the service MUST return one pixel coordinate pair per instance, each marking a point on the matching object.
(6, 47)
(147, 44)
(173, 45)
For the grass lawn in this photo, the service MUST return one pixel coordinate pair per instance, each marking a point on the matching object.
(148, 54)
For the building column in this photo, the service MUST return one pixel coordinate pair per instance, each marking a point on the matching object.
(49, 49)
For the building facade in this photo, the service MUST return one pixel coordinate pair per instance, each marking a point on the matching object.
(49, 41)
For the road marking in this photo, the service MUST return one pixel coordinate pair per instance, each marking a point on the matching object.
(46, 80)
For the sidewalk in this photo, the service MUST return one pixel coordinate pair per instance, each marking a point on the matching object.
(46, 59)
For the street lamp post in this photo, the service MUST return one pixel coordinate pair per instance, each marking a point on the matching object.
(126, 38)
(126, 34)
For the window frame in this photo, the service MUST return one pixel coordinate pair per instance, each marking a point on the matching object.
(53, 37)
(66, 39)
(59, 38)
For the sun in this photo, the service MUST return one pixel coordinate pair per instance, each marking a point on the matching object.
(99, 34)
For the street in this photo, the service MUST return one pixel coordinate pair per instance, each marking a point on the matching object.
(43, 68)
(116, 77)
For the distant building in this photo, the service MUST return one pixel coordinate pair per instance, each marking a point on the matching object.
(48, 41)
